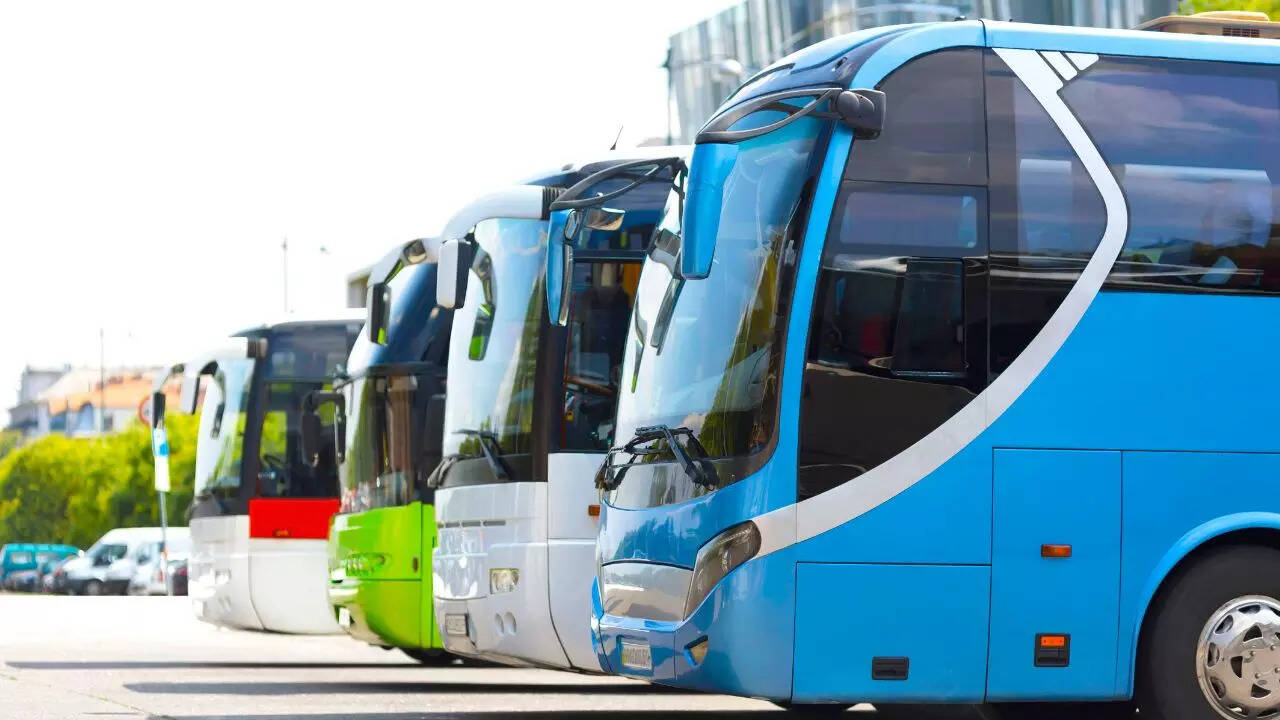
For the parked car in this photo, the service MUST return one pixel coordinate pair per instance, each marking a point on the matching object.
(55, 581)
(98, 569)
(16, 557)
(177, 578)
(23, 581)
(150, 563)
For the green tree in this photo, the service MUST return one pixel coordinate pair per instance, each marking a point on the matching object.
(1270, 7)
(60, 489)
(9, 441)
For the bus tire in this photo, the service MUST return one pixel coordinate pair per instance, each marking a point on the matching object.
(1212, 638)
(428, 657)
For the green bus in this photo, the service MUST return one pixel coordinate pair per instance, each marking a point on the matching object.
(389, 405)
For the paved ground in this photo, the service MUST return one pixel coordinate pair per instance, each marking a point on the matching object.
(117, 658)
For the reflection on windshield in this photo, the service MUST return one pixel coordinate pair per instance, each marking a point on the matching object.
(389, 451)
(706, 354)
(494, 341)
(222, 428)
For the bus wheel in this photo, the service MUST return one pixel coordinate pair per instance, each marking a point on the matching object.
(1212, 646)
(428, 657)
(93, 587)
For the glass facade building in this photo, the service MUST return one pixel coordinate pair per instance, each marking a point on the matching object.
(709, 60)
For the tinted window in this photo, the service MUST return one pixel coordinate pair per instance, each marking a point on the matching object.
(282, 470)
(312, 351)
(603, 293)
(1196, 148)
(1046, 215)
(897, 345)
(935, 129)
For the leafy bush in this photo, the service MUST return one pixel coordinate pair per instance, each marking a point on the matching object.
(61, 489)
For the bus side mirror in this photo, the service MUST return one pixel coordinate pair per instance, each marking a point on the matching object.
(863, 111)
(708, 171)
(310, 437)
(311, 427)
(156, 409)
(560, 231)
(452, 273)
(379, 317)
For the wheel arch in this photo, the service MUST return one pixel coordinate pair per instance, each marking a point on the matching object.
(1260, 529)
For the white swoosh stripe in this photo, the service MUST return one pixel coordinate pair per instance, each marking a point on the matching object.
(800, 521)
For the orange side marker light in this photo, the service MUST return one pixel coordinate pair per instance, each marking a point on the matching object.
(1055, 551)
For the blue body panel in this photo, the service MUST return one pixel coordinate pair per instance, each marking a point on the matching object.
(1127, 431)
(938, 619)
(1059, 497)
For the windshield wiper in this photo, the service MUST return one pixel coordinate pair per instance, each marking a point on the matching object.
(702, 472)
(488, 445)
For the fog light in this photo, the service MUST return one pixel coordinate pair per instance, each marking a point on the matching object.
(697, 651)
(503, 580)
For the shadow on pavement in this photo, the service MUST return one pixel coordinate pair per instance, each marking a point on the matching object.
(896, 712)
(373, 687)
(182, 665)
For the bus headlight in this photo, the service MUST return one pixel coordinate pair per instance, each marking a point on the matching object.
(503, 580)
(718, 557)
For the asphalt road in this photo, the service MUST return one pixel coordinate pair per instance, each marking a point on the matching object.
(110, 658)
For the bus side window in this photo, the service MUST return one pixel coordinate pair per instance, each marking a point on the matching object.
(1196, 148)
(898, 338)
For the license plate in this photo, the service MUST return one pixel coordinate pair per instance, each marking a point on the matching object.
(344, 617)
(636, 655)
(455, 624)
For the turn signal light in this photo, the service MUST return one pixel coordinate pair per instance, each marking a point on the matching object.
(1055, 551)
(1053, 641)
(593, 510)
(280, 532)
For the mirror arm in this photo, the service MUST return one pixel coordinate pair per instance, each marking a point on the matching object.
(572, 199)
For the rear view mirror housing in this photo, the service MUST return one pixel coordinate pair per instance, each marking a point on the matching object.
(862, 111)
(310, 437)
(378, 319)
(708, 171)
(452, 273)
(311, 426)
(155, 409)
(560, 264)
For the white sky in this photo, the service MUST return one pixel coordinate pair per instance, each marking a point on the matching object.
(154, 154)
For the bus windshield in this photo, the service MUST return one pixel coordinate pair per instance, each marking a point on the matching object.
(390, 449)
(493, 357)
(704, 356)
(223, 423)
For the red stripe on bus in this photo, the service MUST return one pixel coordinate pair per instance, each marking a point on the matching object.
(305, 518)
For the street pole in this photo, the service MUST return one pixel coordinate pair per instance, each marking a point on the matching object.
(164, 546)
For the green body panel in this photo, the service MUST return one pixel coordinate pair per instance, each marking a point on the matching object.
(380, 572)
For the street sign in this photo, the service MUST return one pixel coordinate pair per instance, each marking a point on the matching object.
(160, 449)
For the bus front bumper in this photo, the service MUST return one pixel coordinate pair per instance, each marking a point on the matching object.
(736, 642)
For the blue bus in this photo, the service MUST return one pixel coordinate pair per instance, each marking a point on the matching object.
(953, 388)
